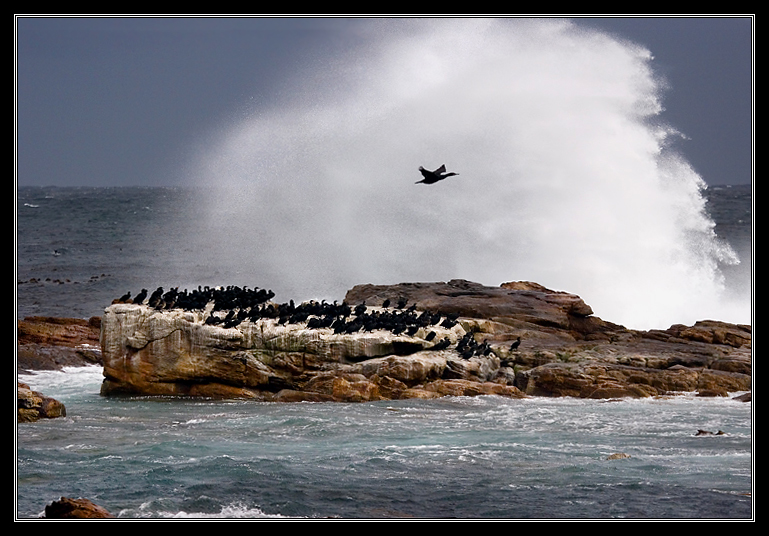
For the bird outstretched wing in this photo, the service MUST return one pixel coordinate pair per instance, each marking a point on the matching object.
(431, 177)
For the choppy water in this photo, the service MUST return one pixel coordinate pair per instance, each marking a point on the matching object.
(484, 457)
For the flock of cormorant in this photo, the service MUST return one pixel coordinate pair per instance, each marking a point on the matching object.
(246, 304)
(468, 346)
(223, 298)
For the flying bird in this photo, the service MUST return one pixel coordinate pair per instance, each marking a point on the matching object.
(431, 177)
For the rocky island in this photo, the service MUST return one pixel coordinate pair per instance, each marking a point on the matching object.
(412, 340)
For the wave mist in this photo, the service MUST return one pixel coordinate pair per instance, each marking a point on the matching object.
(567, 175)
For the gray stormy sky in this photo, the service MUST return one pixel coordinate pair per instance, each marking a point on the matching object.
(121, 101)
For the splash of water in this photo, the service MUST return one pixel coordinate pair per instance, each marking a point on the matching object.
(566, 175)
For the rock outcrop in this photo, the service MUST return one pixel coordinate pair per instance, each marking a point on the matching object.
(49, 343)
(176, 353)
(520, 301)
(67, 508)
(33, 406)
(463, 346)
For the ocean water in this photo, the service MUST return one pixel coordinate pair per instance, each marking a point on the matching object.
(569, 176)
(463, 458)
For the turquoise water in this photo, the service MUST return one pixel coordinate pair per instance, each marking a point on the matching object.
(482, 457)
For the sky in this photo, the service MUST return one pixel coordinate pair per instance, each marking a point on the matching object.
(104, 101)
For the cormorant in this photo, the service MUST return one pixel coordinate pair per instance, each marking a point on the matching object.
(431, 177)
(156, 297)
(515, 344)
(442, 344)
(448, 323)
(141, 296)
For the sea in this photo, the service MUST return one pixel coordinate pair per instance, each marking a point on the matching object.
(451, 459)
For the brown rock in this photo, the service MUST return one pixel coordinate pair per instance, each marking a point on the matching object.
(715, 332)
(718, 380)
(556, 379)
(736, 363)
(66, 508)
(472, 388)
(596, 380)
(390, 388)
(419, 393)
(344, 387)
(527, 302)
(59, 331)
(33, 406)
(47, 343)
(410, 370)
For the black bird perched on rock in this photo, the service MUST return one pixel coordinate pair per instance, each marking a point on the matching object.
(156, 297)
(140, 297)
(431, 177)
(515, 344)
(441, 345)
